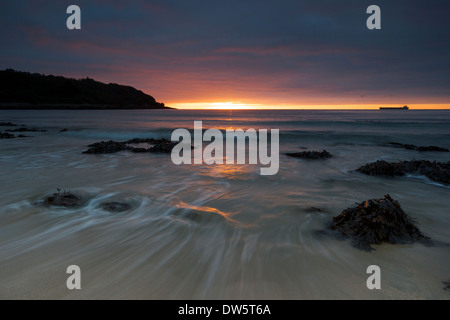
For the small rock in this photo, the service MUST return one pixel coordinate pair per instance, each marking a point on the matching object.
(26, 130)
(7, 124)
(432, 148)
(64, 130)
(376, 221)
(6, 135)
(194, 216)
(447, 285)
(63, 199)
(311, 155)
(313, 210)
(115, 206)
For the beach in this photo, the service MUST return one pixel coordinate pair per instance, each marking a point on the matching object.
(216, 231)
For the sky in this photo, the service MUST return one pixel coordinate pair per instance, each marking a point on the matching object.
(241, 53)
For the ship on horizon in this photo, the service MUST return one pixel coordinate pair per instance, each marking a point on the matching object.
(389, 108)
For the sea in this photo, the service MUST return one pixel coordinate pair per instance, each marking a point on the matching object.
(216, 231)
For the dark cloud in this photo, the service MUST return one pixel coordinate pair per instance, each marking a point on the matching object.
(287, 51)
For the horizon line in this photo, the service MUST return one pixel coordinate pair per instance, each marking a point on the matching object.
(254, 106)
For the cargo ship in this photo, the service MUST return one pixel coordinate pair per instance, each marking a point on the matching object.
(402, 108)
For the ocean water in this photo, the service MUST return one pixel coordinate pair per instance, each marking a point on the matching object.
(220, 231)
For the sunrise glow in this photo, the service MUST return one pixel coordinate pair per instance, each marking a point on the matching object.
(255, 106)
(218, 106)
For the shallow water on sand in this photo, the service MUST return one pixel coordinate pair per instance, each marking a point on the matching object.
(215, 232)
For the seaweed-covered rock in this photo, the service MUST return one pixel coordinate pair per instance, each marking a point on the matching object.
(104, 147)
(163, 146)
(311, 155)
(63, 199)
(382, 168)
(436, 171)
(421, 148)
(115, 206)
(376, 221)
(157, 146)
(6, 135)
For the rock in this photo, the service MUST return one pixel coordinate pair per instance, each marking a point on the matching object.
(377, 221)
(447, 285)
(422, 148)
(106, 147)
(313, 210)
(7, 124)
(63, 199)
(163, 146)
(64, 130)
(194, 216)
(6, 135)
(432, 148)
(382, 168)
(11, 136)
(311, 155)
(436, 171)
(158, 146)
(26, 130)
(115, 206)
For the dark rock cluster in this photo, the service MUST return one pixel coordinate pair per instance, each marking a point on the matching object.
(311, 155)
(436, 171)
(6, 135)
(376, 221)
(421, 148)
(68, 199)
(104, 147)
(22, 129)
(158, 146)
(7, 124)
(63, 199)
